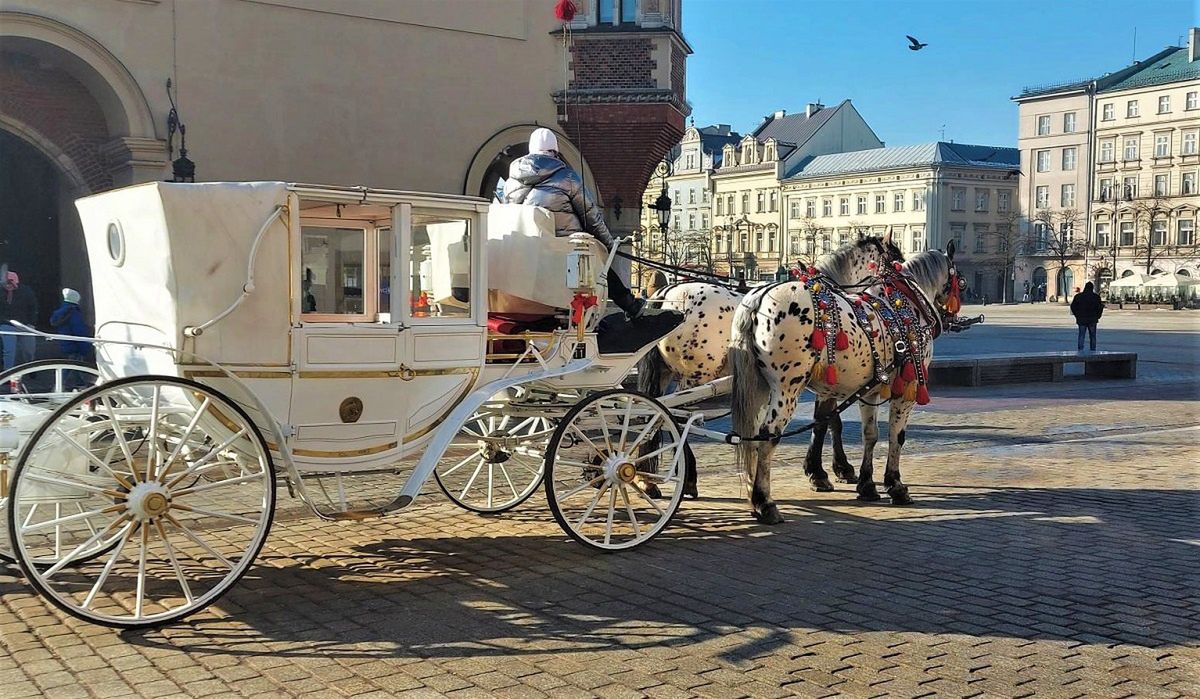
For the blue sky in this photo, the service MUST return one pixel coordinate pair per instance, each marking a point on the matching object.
(755, 56)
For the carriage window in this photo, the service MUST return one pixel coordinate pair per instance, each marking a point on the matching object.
(333, 272)
(441, 265)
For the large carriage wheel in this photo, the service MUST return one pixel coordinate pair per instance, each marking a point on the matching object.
(495, 462)
(47, 382)
(597, 473)
(171, 471)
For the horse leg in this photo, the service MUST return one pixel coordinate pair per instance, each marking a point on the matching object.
(817, 478)
(897, 421)
(841, 465)
(765, 509)
(870, 432)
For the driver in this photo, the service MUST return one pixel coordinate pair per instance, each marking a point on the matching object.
(543, 179)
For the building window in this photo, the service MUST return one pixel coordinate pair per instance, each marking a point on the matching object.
(771, 240)
(1162, 145)
(691, 196)
(1042, 197)
(843, 237)
(745, 202)
(1158, 232)
(982, 200)
(1068, 195)
(729, 204)
(703, 222)
(918, 201)
(918, 241)
(898, 201)
(827, 207)
(1043, 161)
(1002, 199)
(1185, 231)
(1126, 233)
(862, 205)
(810, 208)
(1164, 104)
(605, 9)
(720, 206)
(704, 196)
(1129, 188)
(1131, 109)
(1187, 183)
(1106, 189)
(1108, 112)
(1131, 148)
(844, 206)
(1102, 240)
(980, 238)
(793, 208)
(1069, 122)
(691, 222)
(1066, 232)
(1192, 101)
(1189, 143)
(1044, 125)
(881, 204)
(1107, 149)
(1069, 158)
(958, 198)
(1161, 187)
(774, 201)
(761, 202)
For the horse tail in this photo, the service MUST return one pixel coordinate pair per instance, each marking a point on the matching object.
(750, 388)
(652, 370)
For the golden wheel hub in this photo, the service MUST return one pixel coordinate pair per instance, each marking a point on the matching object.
(156, 504)
(626, 472)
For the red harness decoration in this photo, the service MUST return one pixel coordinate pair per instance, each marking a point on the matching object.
(579, 304)
(954, 303)
(565, 10)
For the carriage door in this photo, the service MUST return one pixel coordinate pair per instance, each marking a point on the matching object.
(348, 386)
(443, 308)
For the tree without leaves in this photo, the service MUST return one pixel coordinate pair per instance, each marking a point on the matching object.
(1009, 241)
(1055, 237)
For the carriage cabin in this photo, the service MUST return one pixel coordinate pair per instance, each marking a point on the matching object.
(358, 316)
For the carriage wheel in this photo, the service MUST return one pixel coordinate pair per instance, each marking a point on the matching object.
(173, 473)
(47, 382)
(597, 473)
(495, 462)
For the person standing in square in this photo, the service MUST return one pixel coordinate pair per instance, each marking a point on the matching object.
(1087, 309)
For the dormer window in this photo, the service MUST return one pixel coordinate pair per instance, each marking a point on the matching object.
(769, 152)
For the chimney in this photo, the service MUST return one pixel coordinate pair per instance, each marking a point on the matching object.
(812, 108)
(780, 114)
(1193, 44)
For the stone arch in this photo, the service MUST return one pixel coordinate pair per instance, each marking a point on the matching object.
(494, 154)
(48, 148)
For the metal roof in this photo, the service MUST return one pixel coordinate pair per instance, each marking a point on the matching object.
(795, 129)
(1170, 68)
(896, 157)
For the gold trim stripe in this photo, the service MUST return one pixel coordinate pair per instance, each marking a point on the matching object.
(367, 451)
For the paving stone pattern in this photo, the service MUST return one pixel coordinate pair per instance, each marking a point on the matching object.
(1054, 550)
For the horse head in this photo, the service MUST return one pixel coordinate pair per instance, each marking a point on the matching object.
(861, 260)
(936, 275)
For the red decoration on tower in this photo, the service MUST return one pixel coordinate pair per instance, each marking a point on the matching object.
(565, 10)
(818, 339)
(841, 341)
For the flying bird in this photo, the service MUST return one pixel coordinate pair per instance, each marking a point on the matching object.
(913, 44)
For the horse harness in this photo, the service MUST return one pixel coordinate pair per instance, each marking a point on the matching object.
(908, 316)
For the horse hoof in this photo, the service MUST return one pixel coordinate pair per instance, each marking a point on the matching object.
(845, 473)
(690, 490)
(899, 495)
(651, 490)
(821, 484)
(868, 494)
(768, 515)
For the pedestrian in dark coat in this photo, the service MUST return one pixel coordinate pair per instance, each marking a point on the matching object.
(17, 303)
(1087, 309)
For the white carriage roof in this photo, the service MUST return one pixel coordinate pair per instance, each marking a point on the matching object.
(361, 194)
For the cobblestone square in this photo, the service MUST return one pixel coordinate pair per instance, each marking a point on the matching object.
(1053, 550)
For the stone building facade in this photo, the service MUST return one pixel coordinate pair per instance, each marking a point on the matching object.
(420, 96)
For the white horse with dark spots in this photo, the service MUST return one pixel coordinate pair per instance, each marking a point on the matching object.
(697, 350)
(872, 347)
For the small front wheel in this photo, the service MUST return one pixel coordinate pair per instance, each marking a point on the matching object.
(495, 461)
(601, 478)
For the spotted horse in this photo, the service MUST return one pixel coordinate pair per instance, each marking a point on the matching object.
(696, 352)
(871, 347)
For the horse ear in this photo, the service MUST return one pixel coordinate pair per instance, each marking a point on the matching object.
(887, 237)
(950, 249)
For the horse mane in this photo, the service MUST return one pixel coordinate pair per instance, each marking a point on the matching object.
(836, 264)
(930, 270)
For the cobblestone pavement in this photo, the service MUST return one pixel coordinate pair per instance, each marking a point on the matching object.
(1054, 550)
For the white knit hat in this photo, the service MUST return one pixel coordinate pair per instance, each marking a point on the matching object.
(71, 296)
(542, 141)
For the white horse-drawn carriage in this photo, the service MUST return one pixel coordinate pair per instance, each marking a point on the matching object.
(321, 335)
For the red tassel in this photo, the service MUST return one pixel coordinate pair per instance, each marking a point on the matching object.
(922, 395)
(818, 339)
(831, 375)
(565, 10)
(908, 372)
(842, 341)
(897, 386)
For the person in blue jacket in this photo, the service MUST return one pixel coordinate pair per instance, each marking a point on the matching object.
(67, 319)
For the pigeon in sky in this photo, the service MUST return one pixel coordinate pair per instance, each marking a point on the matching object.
(913, 44)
